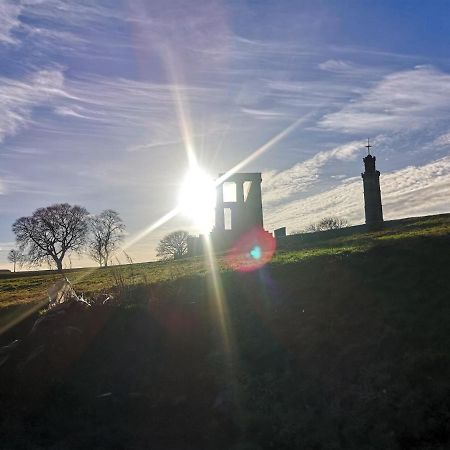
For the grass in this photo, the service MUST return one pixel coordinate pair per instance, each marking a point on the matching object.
(24, 290)
(21, 293)
(341, 342)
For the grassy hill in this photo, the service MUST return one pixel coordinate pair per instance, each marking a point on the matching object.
(30, 288)
(341, 342)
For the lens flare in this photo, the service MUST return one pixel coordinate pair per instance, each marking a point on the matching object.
(251, 252)
(256, 252)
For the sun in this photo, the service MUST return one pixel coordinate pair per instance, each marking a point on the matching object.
(198, 198)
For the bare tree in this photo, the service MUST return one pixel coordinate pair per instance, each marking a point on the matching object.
(173, 245)
(50, 233)
(15, 257)
(328, 223)
(106, 232)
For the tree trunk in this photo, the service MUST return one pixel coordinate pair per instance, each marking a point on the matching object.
(14, 267)
(59, 265)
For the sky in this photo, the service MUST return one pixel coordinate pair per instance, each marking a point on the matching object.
(92, 94)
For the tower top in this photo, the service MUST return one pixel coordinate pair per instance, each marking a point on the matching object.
(368, 146)
(369, 160)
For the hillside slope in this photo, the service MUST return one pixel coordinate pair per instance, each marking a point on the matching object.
(341, 345)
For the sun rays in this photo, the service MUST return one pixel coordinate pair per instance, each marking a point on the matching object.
(198, 193)
(196, 169)
(196, 198)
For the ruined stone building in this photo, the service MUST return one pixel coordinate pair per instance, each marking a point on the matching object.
(372, 194)
(238, 207)
(238, 211)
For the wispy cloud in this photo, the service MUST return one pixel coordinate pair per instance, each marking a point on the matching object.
(442, 140)
(132, 107)
(337, 65)
(280, 186)
(13, 183)
(9, 19)
(18, 98)
(154, 144)
(402, 100)
(358, 51)
(69, 13)
(266, 114)
(50, 38)
(349, 70)
(255, 48)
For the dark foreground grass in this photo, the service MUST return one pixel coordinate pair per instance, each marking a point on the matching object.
(343, 346)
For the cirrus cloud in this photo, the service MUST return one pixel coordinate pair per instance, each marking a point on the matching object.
(19, 97)
(401, 100)
(279, 186)
(9, 19)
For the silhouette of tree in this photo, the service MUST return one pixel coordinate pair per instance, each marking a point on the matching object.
(50, 233)
(173, 245)
(106, 232)
(328, 223)
(16, 258)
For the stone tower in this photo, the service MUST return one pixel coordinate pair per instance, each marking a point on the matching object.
(241, 213)
(372, 193)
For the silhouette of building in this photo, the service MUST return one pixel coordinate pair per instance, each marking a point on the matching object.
(238, 209)
(238, 212)
(279, 233)
(239, 205)
(372, 194)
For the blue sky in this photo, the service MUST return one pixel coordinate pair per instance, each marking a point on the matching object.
(88, 113)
